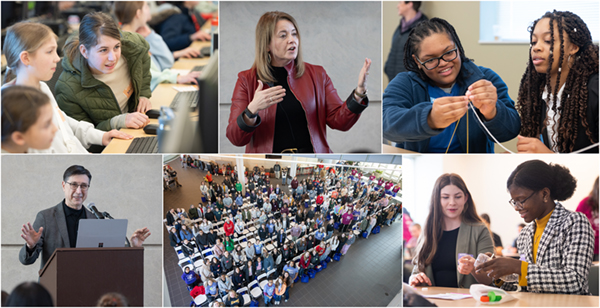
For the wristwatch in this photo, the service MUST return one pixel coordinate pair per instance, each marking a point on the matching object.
(250, 114)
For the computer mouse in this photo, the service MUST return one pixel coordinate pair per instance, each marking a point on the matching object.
(151, 129)
(153, 113)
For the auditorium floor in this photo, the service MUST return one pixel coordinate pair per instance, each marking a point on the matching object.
(370, 274)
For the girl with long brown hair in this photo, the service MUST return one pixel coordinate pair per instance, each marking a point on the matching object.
(452, 228)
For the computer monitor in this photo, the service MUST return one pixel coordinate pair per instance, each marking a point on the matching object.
(101, 233)
(181, 131)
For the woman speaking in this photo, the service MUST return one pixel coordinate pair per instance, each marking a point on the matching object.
(282, 104)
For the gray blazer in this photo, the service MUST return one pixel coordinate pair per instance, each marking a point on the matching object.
(54, 235)
(472, 239)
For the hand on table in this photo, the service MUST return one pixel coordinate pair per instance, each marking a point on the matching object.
(189, 78)
(200, 36)
(107, 137)
(418, 280)
(484, 96)
(144, 105)
(139, 236)
(136, 120)
(447, 110)
(186, 53)
(30, 236)
(531, 145)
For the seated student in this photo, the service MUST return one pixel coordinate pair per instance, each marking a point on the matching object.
(497, 240)
(212, 290)
(134, 15)
(190, 278)
(173, 237)
(234, 299)
(224, 283)
(426, 108)
(452, 227)
(180, 30)
(99, 85)
(558, 95)
(238, 278)
(30, 50)
(26, 120)
(589, 207)
(559, 246)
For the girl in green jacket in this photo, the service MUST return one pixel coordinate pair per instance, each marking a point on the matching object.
(106, 77)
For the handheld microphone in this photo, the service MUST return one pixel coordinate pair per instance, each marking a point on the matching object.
(93, 209)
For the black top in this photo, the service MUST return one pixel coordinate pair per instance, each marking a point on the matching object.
(444, 262)
(291, 127)
(73, 216)
(497, 240)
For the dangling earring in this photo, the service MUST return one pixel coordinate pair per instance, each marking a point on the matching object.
(269, 57)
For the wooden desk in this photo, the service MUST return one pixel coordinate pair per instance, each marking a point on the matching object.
(524, 299)
(388, 149)
(162, 95)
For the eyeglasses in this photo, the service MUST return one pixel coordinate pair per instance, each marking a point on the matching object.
(74, 186)
(435, 62)
(518, 205)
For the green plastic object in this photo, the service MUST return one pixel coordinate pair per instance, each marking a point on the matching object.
(492, 296)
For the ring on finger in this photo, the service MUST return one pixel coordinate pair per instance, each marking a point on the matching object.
(271, 98)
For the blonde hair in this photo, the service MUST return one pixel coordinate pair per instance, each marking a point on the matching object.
(23, 36)
(265, 30)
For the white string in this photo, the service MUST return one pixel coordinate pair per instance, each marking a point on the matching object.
(500, 144)
(484, 127)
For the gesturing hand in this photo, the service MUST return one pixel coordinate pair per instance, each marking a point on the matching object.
(446, 110)
(139, 236)
(466, 265)
(30, 236)
(484, 97)
(363, 76)
(265, 98)
(500, 266)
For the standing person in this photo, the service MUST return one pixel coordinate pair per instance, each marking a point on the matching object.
(346, 220)
(224, 283)
(30, 51)
(294, 185)
(411, 16)
(349, 242)
(269, 292)
(557, 236)
(422, 107)
(452, 227)
(280, 289)
(56, 227)
(558, 94)
(238, 278)
(589, 207)
(106, 76)
(277, 169)
(284, 173)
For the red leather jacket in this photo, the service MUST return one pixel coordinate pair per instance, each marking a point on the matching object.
(318, 97)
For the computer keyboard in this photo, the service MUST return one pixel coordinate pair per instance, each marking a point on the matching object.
(143, 145)
(197, 68)
(187, 98)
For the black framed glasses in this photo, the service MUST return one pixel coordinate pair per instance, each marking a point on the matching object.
(83, 186)
(435, 62)
(518, 205)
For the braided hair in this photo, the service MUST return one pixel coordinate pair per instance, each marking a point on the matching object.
(423, 30)
(573, 106)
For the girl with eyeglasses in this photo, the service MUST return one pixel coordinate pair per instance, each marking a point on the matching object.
(557, 249)
(427, 108)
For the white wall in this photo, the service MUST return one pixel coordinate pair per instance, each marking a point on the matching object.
(485, 176)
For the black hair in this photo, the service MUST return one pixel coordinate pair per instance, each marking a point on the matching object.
(76, 170)
(424, 29)
(536, 175)
(416, 4)
(574, 99)
(30, 294)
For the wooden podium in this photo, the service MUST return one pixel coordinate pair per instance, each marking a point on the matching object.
(80, 276)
